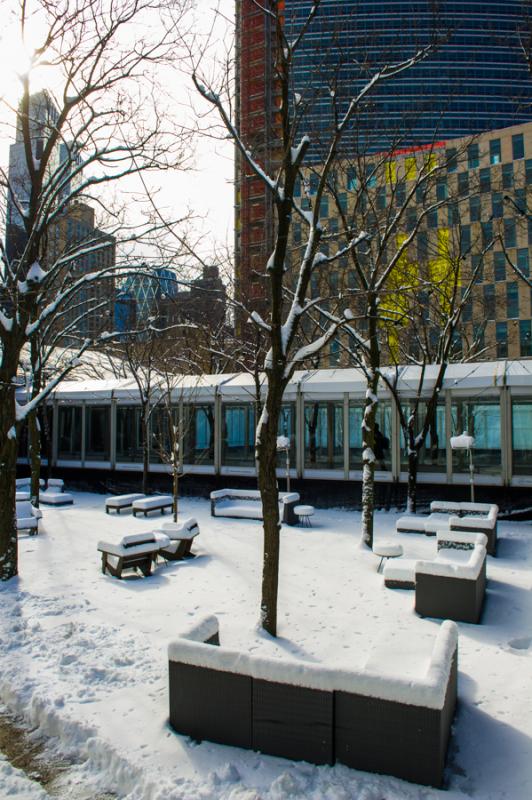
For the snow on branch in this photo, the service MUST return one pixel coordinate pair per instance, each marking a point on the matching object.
(216, 101)
(259, 322)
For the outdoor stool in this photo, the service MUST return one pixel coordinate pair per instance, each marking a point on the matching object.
(387, 550)
(304, 513)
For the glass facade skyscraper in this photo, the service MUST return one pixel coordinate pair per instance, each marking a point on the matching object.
(475, 79)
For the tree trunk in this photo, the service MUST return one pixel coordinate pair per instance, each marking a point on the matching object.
(145, 423)
(368, 425)
(413, 461)
(34, 448)
(267, 462)
(175, 491)
(8, 467)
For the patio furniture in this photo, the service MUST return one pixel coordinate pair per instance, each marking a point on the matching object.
(392, 715)
(486, 524)
(452, 586)
(401, 573)
(304, 513)
(56, 484)
(53, 498)
(155, 503)
(28, 517)
(429, 525)
(137, 551)
(387, 549)
(22, 495)
(247, 504)
(121, 501)
(23, 482)
(181, 536)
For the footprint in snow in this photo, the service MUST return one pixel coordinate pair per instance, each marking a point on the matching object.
(521, 643)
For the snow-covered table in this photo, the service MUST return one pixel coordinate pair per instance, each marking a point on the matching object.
(387, 549)
(304, 513)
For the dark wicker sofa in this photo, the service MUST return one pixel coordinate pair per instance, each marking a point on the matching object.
(393, 722)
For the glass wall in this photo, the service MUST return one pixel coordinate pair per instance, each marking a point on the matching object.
(432, 456)
(287, 427)
(128, 434)
(198, 434)
(160, 439)
(69, 432)
(97, 433)
(522, 437)
(324, 435)
(481, 419)
(383, 420)
(238, 438)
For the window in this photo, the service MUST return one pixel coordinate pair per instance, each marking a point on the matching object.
(356, 416)
(324, 435)
(509, 232)
(69, 433)
(333, 283)
(501, 339)
(314, 285)
(432, 218)
(495, 151)
(528, 171)
(525, 337)
(334, 355)
(487, 232)
(297, 187)
(371, 177)
(333, 225)
(422, 245)
(518, 146)
(400, 194)
(522, 437)
(507, 176)
(238, 441)
(452, 162)
(351, 179)
(489, 301)
(499, 266)
(381, 198)
(482, 420)
(297, 233)
(474, 208)
(523, 261)
(97, 433)
(465, 239)
(485, 180)
(324, 207)
(432, 457)
(477, 268)
(198, 434)
(463, 183)
(441, 190)
(313, 182)
(512, 300)
(453, 217)
(128, 434)
(352, 279)
(342, 202)
(478, 335)
(472, 156)
(497, 209)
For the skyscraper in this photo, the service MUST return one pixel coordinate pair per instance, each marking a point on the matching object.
(474, 80)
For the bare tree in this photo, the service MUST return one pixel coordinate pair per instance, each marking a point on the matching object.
(284, 321)
(98, 124)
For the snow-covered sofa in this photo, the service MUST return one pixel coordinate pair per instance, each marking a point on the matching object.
(467, 517)
(453, 585)
(246, 503)
(27, 517)
(138, 551)
(393, 715)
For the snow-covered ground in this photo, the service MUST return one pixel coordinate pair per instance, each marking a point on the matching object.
(83, 656)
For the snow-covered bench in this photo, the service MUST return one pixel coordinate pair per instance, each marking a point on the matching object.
(247, 503)
(400, 573)
(27, 517)
(121, 501)
(53, 498)
(181, 536)
(412, 523)
(136, 551)
(452, 586)
(21, 483)
(155, 503)
(56, 484)
(392, 715)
